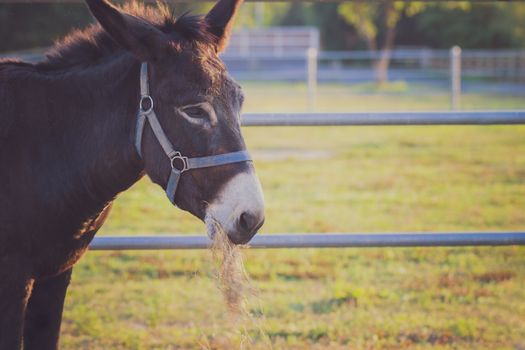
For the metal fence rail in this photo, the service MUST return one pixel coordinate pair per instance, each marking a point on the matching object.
(331, 240)
(397, 118)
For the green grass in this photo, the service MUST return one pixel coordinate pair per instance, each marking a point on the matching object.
(359, 179)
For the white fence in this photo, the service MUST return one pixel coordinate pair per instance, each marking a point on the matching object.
(423, 65)
(355, 66)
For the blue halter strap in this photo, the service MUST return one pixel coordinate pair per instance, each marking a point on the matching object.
(179, 163)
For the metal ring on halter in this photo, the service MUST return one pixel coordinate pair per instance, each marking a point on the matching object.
(182, 159)
(141, 103)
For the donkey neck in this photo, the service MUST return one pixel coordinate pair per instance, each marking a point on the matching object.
(107, 155)
(98, 109)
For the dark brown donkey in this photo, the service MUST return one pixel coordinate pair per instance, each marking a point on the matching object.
(68, 146)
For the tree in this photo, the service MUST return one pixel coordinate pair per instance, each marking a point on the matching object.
(486, 25)
(24, 25)
(371, 18)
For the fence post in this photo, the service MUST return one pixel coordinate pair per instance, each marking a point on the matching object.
(425, 57)
(244, 45)
(455, 77)
(259, 14)
(311, 62)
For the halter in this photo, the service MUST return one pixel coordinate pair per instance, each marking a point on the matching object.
(179, 163)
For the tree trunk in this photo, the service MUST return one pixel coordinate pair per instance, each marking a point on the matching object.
(382, 64)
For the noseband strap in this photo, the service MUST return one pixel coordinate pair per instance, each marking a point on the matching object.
(179, 163)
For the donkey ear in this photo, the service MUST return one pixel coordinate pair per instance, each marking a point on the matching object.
(137, 36)
(220, 21)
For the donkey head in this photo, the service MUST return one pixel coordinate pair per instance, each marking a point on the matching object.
(198, 105)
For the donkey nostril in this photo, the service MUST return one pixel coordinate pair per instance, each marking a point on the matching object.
(247, 222)
(247, 226)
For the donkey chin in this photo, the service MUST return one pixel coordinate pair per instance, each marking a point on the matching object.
(238, 209)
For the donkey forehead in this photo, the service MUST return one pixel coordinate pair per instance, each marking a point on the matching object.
(230, 89)
(227, 97)
(193, 78)
(198, 62)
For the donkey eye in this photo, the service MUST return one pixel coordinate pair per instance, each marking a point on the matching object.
(201, 114)
(196, 112)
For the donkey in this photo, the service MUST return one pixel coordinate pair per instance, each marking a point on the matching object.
(139, 93)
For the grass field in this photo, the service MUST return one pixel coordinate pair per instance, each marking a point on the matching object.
(330, 179)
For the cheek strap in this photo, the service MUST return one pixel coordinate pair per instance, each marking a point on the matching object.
(179, 163)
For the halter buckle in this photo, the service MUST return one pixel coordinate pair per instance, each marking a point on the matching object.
(177, 156)
(143, 99)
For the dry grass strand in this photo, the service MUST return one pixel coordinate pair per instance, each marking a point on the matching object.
(234, 284)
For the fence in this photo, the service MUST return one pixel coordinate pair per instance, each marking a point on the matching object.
(434, 67)
(357, 66)
(346, 240)
(328, 240)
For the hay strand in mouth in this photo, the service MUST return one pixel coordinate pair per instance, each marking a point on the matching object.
(234, 284)
(231, 274)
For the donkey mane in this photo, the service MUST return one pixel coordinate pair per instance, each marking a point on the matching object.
(87, 46)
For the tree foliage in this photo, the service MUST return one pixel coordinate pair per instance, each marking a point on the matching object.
(24, 26)
(487, 25)
(370, 18)
(384, 23)
(351, 25)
